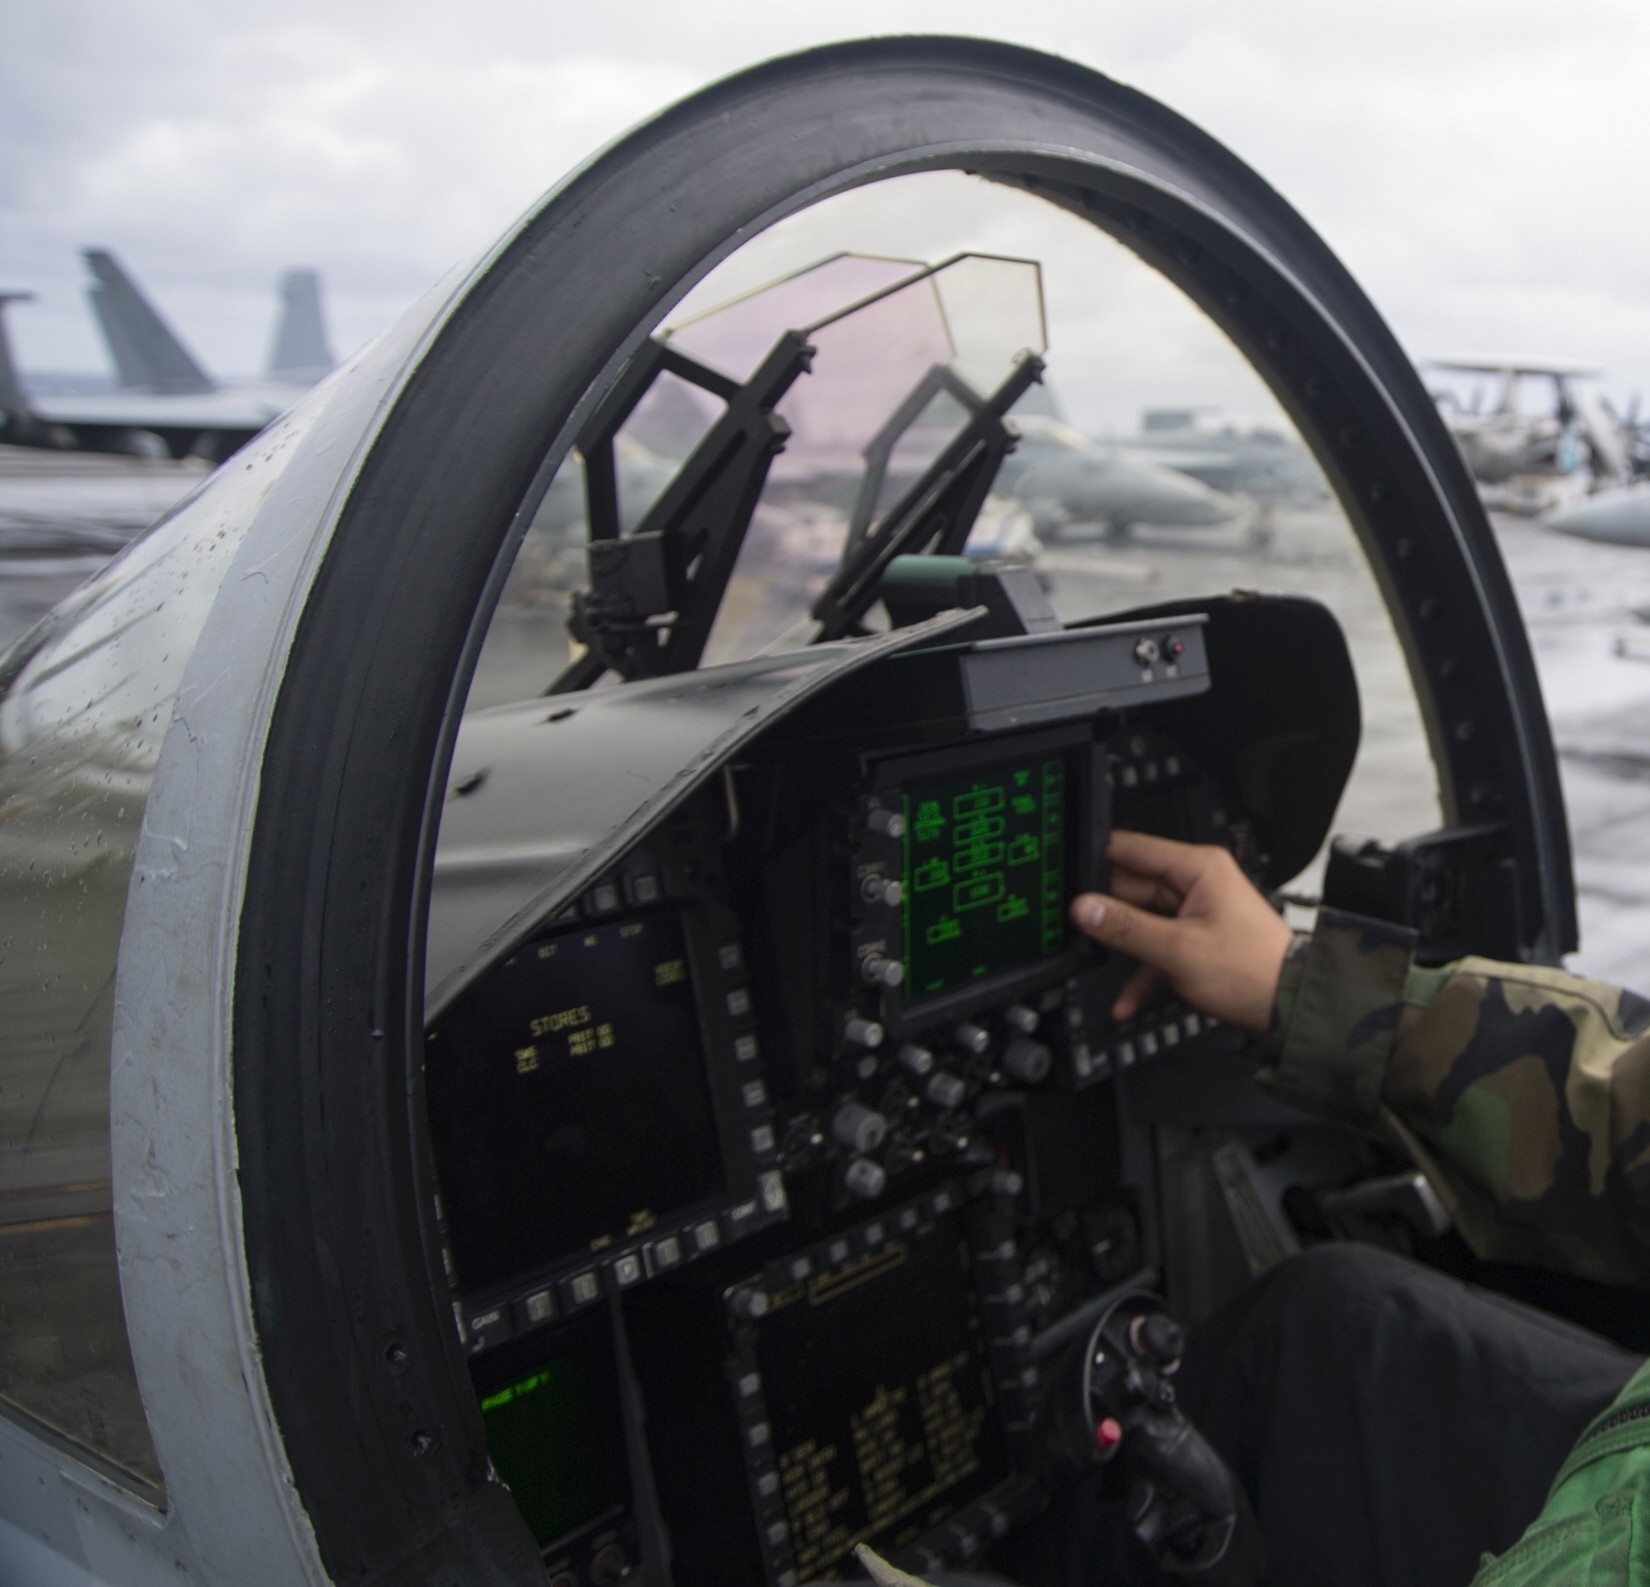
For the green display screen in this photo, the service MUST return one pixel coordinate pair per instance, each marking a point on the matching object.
(985, 872)
(545, 1438)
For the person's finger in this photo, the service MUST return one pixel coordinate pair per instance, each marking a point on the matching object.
(1134, 992)
(1155, 939)
(1148, 892)
(1178, 864)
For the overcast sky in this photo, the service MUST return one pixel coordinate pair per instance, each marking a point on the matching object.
(1477, 163)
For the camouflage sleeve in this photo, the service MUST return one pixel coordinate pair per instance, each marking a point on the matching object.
(1523, 1092)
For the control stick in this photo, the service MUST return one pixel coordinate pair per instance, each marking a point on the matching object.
(1113, 1407)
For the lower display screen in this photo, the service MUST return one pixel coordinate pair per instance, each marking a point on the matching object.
(986, 883)
(875, 1385)
(568, 1101)
(552, 1420)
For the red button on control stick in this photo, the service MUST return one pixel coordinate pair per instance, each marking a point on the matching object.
(1109, 1434)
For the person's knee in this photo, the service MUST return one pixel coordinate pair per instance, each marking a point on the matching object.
(1341, 1275)
(1328, 1298)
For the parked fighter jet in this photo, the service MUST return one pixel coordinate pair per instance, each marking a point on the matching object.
(669, 1132)
(1066, 480)
(165, 398)
(1248, 457)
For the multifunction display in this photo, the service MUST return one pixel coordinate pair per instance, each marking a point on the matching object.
(985, 862)
(553, 1431)
(568, 1098)
(876, 1387)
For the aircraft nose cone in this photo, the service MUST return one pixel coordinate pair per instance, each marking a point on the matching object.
(1211, 507)
(1189, 502)
(1620, 516)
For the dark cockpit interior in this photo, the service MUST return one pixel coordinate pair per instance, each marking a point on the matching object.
(787, 1151)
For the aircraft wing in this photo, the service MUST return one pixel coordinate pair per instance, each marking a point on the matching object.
(211, 423)
(1495, 364)
(210, 410)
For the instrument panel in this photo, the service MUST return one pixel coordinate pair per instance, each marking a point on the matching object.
(775, 1162)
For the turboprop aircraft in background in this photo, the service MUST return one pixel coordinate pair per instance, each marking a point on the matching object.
(1525, 453)
(166, 401)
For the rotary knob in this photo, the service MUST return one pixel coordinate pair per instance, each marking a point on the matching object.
(878, 971)
(889, 823)
(859, 1128)
(861, 1032)
(882, 890)
(974, 1039)
(1027, 1060)
(749, 1303)
(865, 1179)
(945, 1090)
(915, 1060)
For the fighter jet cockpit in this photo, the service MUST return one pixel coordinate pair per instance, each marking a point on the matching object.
(548, 1044)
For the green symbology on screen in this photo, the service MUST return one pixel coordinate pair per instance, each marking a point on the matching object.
(545, 1442)
(985, 873)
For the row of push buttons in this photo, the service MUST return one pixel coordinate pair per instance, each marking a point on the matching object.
(753, 1092)
(960, 1539)
(635, 891)
(1150, 1036)
(486, 1328)
(1134, 774)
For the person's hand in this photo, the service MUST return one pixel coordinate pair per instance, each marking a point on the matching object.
(1224, 946)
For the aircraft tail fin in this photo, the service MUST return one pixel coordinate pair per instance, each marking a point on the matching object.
(146, 351)
(131, 372)
(299, 354)
(18, 422)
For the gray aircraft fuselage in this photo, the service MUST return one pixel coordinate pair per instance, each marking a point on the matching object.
(1064, 479)
(1620, 516)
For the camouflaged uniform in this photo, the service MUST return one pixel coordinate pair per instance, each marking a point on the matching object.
(1524, 1094)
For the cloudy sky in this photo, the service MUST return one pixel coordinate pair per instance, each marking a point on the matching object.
(1477, 163)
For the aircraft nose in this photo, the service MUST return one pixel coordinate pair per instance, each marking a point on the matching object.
(1200, 504)
(1620, 516)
